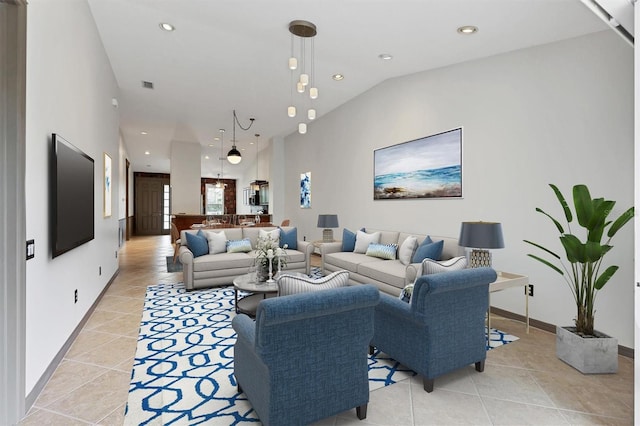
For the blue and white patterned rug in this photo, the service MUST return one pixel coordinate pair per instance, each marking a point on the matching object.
(183, 368)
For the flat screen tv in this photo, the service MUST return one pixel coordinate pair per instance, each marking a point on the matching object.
(72, 201)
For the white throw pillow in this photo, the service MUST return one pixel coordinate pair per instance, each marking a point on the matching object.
(217, 241)
(408, 247)
(294, 284)
(275, 234)
(363, 240)
(430, 266)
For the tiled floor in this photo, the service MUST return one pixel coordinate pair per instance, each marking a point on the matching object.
(523, 382)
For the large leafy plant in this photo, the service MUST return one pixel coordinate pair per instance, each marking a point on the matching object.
(584, 274)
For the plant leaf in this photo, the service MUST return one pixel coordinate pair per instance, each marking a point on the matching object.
(546, 262)
(542, 248)
(621, 221)
(558, 225)
(563, 203)
(583, 205)
(605, 276)
(574, 248)
(593, 251)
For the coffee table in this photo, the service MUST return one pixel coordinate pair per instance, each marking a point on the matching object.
(261, 290)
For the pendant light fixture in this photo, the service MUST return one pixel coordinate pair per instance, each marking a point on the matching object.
(305, 31)
(234, 156)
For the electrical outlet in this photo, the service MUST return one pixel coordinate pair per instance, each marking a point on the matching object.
(99, 270)
(530, 290)
(116, 254)
(75, 296)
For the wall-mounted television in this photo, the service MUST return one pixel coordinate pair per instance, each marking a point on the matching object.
(72, 197)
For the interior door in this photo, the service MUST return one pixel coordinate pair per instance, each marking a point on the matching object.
(149, 199)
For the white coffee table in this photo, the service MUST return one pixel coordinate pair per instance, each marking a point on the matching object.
(261, 290)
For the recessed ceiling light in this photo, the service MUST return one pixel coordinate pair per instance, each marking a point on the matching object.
(468, 29)
(385, 56)
(337, 77)
(143, 132)
(211, 145)
(147, 153)
(166, 26)
(206, 157)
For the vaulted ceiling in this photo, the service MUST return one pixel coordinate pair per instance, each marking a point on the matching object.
(232, 54)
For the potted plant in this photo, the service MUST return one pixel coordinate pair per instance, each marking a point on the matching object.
(582, 269)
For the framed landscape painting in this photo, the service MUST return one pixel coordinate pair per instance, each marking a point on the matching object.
(429, 167)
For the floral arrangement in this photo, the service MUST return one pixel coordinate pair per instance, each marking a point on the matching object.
(268, 248)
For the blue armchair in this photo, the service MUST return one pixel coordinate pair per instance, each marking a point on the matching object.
(305, 356)
(442, 328)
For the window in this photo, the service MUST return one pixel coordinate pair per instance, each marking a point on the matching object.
(166, 217)
(214, 197)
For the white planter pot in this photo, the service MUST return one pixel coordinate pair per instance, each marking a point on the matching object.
(589, 355)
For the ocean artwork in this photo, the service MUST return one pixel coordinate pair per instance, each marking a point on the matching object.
(305, 190)
(429, 167)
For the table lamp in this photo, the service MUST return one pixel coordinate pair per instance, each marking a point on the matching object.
(327, 221)
(481, 236)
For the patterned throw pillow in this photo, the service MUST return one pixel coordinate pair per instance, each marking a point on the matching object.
(363, 240)
(294, 284)
(407, 248)
(197, 243)
(430, 266)
(274, 235)
(406, 293)
(239, 246)
(383, 251)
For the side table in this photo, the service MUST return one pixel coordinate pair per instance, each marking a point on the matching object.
(261, 290)
(318, 243)
(507, 280)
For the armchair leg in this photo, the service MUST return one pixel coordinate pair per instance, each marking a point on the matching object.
(371, 349)
(480, 366)
(361, 411)
(427, 384)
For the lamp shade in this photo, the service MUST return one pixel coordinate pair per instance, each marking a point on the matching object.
(328, 221)
(484, 235)
(234, 156)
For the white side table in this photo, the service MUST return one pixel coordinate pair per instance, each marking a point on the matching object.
(509, 280)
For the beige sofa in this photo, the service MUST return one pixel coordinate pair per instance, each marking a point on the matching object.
(220, 269)
(390, 276)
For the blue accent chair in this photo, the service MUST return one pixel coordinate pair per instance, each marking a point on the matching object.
(305, 356)
(442, 328)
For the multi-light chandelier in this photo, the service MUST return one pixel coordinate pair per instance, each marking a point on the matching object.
(303, 30)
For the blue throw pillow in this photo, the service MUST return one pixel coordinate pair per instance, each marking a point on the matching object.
(349, 239)
(198, 243)
(239, 246)
(431, 251)
(289, 237)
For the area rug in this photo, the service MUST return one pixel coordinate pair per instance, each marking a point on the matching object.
(173, 267)
(183, 368)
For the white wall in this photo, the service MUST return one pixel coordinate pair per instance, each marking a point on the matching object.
(185, 178)
(560, 113)
(70, 85)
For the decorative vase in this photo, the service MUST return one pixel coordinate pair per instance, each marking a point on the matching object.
(589, 355)
(262, 271)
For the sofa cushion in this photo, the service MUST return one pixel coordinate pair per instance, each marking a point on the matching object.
(198, 243)
(293, 284)
(289, 237)
(222, 261)
(383, 251)
(392, 272)
(349, 261)
(239, 246)
(430, 266)
(407, 249)
(217, 241)
(428, 250)
(363, 240)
